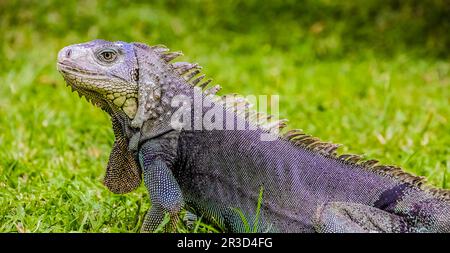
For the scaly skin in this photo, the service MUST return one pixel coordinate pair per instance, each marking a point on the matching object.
(219, 174)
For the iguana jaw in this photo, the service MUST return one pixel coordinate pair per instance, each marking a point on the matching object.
(93, 81)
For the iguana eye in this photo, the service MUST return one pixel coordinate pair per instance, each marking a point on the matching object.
(107, 55)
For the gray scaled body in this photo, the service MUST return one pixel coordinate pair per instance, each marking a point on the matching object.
(220, 174)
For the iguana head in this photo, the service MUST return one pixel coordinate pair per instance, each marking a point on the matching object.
(106, 73)
(125, 80)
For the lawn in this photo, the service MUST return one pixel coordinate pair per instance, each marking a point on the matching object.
(377, 83)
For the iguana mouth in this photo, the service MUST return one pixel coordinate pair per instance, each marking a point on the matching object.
(71, 70)
(91, 96)
(89, 85)
(74, 78)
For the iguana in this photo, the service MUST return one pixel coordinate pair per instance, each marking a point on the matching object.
(220, 174)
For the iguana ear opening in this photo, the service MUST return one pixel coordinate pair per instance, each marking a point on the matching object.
(123, 174)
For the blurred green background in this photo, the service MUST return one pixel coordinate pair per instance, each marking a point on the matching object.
(372, 75)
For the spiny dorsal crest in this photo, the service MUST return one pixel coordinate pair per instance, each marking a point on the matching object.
(244, 108)
(299, 138)
(238, 104)
(191, 72)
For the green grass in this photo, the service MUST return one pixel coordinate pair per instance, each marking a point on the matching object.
(381, 96)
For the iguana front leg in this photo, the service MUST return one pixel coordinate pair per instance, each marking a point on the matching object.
(163, 189)
(342, 217)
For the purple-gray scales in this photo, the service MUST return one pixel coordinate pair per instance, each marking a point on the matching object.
(224, 162)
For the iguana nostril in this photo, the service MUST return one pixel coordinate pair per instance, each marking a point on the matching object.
(68, 53)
